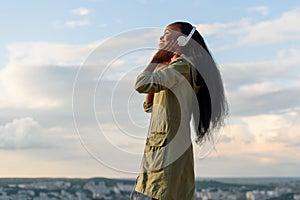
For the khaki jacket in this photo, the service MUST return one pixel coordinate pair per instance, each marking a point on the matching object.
(168, 165)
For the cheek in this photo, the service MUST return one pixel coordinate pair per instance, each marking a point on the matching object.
(167, 38)
(170, 38)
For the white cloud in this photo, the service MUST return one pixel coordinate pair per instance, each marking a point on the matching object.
(38, 82)
(283, 66)
(258, 88)
(266, 127)
(80, 11)
(263, 10)
(45, 53)
(40, 75)
(224, 28)
(263, 86)
(257, 144)
(285, 28)
(278, 30)
(264, 130)
(22, 133)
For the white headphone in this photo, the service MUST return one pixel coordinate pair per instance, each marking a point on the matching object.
(182, 40)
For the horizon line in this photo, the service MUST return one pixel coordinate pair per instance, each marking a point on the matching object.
(130, 178)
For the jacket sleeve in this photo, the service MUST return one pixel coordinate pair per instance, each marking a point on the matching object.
(152, 82)
(147, 107)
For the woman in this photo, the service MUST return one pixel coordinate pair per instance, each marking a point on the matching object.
(182, 79)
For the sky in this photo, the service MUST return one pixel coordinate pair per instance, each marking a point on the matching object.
(67, 69)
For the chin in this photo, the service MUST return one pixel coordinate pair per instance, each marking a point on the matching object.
(161, 45)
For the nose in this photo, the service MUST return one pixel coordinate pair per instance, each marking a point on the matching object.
(161, 37)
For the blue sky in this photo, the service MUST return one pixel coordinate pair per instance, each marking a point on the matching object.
(44, 43)
(46, 21)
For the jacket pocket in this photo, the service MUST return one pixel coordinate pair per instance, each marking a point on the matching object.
(155, 153)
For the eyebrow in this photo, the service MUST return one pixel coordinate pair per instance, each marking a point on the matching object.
(167, 30)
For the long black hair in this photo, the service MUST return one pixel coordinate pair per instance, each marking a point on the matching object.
(211, 99)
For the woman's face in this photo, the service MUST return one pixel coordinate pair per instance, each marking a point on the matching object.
(165, 38)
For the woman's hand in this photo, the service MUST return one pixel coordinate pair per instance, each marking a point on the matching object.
(159, 61)
(162, 57)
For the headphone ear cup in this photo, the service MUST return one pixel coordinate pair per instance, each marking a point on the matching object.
(181, 41)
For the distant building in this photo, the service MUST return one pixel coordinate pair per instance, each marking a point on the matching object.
(98, 190)
(81, 196)
(125, 187)
(296, 196)
(256, 195)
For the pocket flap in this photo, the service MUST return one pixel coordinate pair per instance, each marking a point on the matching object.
(156, 139)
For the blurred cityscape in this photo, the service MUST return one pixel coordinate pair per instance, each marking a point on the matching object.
(119, 189)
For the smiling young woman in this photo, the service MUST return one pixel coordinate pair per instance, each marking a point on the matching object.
(182, 80)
